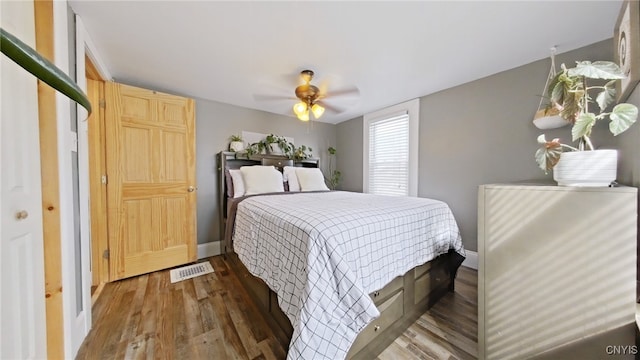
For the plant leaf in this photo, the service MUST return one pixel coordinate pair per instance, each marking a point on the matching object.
(557, 93)
(554, 89)
(29, 59)
(571, 105)
(607, 96)
(597, 70)
(548, 155)
(542, 139)
(583, 125)
(622, 117)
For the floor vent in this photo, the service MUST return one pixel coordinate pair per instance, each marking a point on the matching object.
(191, 271)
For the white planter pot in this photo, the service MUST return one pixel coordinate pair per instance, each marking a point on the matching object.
(236, 146)
(586, 168)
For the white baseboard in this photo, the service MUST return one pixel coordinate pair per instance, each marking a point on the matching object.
(209, 249)
(472, 260)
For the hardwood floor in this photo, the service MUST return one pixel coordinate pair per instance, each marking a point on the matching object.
(211, 317)
(449, 330)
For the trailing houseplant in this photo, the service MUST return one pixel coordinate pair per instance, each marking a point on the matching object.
(255, 148)
(300, 152)
(272, 144)
(571, 93)
(278, 145)
(334, 175)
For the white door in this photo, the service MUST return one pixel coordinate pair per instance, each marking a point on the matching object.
(76, 299)
(22, 307)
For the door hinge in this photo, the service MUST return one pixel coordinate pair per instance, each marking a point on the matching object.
(102, 103)
(106, 254)
(103, 179)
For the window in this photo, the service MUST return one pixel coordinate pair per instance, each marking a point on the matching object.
(390, 138)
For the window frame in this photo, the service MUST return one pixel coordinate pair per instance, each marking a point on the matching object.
(412, 108)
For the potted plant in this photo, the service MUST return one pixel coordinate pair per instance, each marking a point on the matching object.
(583, 165)
(278, 145)
(236, 143)
(334, 175)
(255, 148)
(300, 153)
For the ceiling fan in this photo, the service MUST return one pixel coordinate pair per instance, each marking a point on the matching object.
(313, 100)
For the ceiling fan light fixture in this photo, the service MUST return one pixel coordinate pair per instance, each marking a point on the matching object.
(304, 116)
(300, 108)
(317, 110)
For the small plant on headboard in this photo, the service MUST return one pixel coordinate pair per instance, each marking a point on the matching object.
(334, 175)
(300, 153)
(255, 148)
(236, 144)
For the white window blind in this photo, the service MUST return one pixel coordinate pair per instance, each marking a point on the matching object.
(389, 155)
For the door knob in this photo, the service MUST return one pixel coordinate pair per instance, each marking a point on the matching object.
(21, 215)
(191, 189)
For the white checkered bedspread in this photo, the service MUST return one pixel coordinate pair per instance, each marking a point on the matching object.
(323, 253)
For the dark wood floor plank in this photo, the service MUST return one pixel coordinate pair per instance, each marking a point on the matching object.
(141, 347)
(235, 301)
(243, 329)
(192, 309)
(164, 345)
(149, 307)
(207, 316)
(139, 286)
(469, 345)
(112, 338)
(200, 285)
(180, 331)
(453, 345)
(231, 338)
(396, 351)
(276, 348)
(207, 345)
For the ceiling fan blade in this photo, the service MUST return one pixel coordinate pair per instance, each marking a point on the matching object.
(333, 109)
(348, 91)
(265, 97)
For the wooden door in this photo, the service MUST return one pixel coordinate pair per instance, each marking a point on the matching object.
(151, 199)
(98, 187)
(22, 298)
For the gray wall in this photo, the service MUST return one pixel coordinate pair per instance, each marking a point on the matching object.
(477, 133)
(215, 122)
(349, 154)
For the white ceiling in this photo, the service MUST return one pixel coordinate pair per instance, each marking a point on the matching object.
(233, 52)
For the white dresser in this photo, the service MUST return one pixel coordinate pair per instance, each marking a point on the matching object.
(556, 265)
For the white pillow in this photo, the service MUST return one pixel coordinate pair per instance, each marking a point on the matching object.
(311, 179)
(261, 179)
(291, 177)
(238, 182)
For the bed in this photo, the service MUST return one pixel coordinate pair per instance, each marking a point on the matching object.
(337, 274)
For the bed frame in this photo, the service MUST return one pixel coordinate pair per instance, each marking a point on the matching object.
(400, 302)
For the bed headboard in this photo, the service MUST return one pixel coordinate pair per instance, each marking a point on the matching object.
(228, 160)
